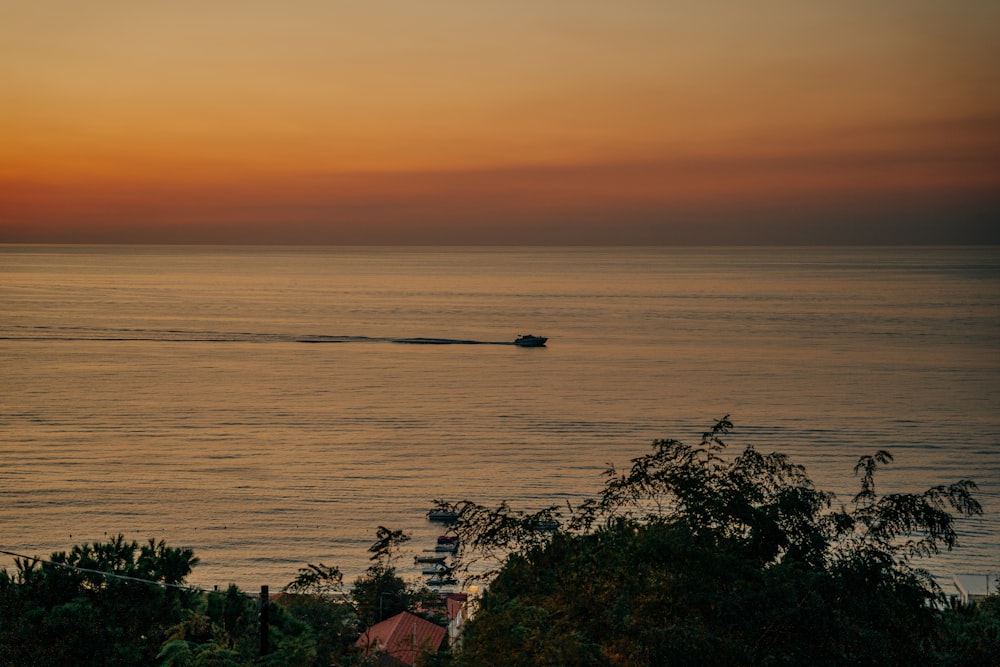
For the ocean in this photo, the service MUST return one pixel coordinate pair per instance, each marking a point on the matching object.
(271, 407)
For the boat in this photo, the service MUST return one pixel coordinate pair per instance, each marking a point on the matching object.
(448, 539)
(446, 515)
(442, 581)
(441, 570)
(429, 559)
(528, 340)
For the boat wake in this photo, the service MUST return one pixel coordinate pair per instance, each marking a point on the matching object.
(410, 341)
(56, 334)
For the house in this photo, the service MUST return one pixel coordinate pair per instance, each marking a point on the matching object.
(457, 611)
(973, 587)
(402, 639)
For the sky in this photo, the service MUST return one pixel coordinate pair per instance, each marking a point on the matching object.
(515, 122)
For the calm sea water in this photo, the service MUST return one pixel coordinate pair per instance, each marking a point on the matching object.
(167, 393)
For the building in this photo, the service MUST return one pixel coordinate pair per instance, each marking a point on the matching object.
(973, 587)
(402, 639)
(461, 607)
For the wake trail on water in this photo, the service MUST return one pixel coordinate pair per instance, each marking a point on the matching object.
(412, 341)
(78, 334)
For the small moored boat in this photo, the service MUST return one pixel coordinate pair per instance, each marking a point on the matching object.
(445, 515)
(447, 543)
(429, 559)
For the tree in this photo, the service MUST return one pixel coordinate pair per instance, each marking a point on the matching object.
(119, 603)
(219, 630)
(691, 556)
(224, 630)
(68, 610)
(380, 593)
(970, 635)
(317, 597)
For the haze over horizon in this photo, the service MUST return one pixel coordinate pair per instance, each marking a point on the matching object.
(510, 123)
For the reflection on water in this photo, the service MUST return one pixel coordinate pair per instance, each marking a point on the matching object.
(166, 392)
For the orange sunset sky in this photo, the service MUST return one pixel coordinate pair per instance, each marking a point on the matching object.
(467, 122)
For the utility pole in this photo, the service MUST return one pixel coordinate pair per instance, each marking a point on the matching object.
(264, 645)
(381, 596)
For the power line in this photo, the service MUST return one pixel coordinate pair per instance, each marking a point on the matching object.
(102, 573)
(262, 609)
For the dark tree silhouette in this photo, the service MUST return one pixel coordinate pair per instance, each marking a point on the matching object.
(694, 556)
(68, 611)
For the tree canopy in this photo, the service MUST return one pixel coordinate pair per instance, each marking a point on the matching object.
(67, 610)
(693, 556)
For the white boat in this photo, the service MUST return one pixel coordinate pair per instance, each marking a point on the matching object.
(528, 340)
(441, 570)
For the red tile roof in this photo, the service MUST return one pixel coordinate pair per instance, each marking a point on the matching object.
(404, 637)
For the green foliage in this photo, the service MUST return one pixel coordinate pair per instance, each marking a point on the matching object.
(380, 593)
(336, 619)
(71, 611)
(489, 535)
(319, 580)
(385, 549)
(970, 635)
(224, 629)
(180, 653)
(695, 557)
(316, 597)
(333, 624)
(222, 626)
(923, 519)
(67, 611)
